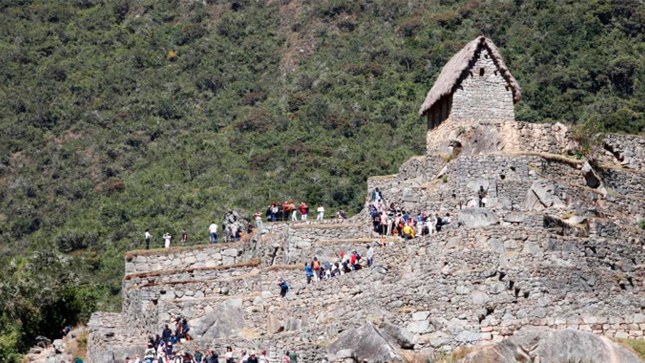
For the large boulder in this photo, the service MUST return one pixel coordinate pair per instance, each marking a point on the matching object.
(223, 322)
(365, 343)
(400, 335)
(476, 218)
(553, 346)
(542, 196)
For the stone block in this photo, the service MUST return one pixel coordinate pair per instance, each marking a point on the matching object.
(231, 252)
(418, 327)
(420, 315)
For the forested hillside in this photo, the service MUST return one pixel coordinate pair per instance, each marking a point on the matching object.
(121, 115)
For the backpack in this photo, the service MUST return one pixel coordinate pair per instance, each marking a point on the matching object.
(316, 265)
(358, 256)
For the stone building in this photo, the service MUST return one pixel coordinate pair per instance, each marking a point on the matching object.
(475, 85)
(555, 246)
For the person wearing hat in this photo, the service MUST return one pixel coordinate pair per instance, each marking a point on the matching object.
(253, 358)
(263, 357)
(137, 359)
(245, 357)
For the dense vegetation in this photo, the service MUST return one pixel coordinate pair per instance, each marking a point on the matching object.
(121, 115)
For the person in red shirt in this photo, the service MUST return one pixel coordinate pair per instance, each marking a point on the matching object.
(304, 211)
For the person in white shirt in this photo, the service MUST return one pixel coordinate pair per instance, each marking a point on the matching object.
(321, 212)
(213, 231)
(370, 256)
(147, 236)
(229, 355)
(258, 219)
(166, 239)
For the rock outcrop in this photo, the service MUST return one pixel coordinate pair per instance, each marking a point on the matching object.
(366, 343)
(565, 346)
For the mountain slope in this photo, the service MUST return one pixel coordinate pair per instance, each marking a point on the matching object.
(116, 116)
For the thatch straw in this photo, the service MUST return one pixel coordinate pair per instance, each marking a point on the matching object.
(458, 64)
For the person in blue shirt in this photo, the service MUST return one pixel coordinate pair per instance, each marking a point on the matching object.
(284, 287)
(309, 271)
(173, 338)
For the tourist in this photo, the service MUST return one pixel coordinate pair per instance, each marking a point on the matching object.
(147, 236)
(293, 210)
(169, 348)
(383, 224)
(327, 270)
(229, 355)
(408, 232)
(173, 338)
(184, 330)
(286, 209)
(376, 195)
(356, 261)
(166, 238)
(335, 269)
(150, 353)
(253, 358)
(198, 356)
(263, 357)
(446, 219)
(258, 219)
(376, 222)
(304, 211)
(321, 212)
(284, 287)
(309, 272)
(213, 232)
(316, 266)
(165, 334)
(271, 212)
(293, 357)
(279, 214)
(184, 237)
(212, 357)
(161, 347)
(245, 357)
(481, 194)
(286, 357)
(341, 215)
(370, 256)
(136, 359)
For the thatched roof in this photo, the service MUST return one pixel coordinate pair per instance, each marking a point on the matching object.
(458, 64)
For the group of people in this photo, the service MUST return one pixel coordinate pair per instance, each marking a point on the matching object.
(346, 262)
(394, 221)
(290, 211)
(212, 233)
(161, 349)
(166, 238)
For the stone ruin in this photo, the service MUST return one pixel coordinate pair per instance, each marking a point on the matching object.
(556, 246)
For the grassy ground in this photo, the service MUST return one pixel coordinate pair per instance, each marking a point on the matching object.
(635, 345)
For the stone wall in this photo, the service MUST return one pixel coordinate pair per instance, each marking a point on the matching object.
(507, 136)
(483, 94)
(110, 339)
(625, 182)
(628, 149)
(184, 258)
